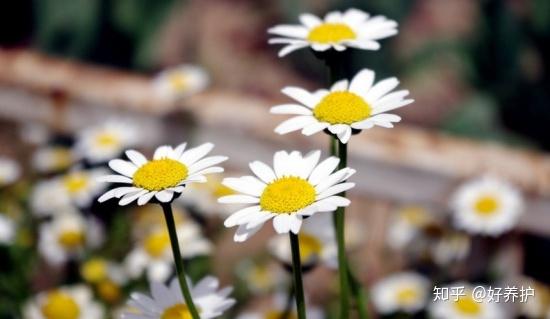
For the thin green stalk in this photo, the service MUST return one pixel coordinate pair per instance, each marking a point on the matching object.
(171, 224)
(297, 271)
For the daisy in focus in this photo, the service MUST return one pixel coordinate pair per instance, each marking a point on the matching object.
(105, 141)
(166, 175)
(180, 81)
(486, 206)
(466, 307)
(348, 107)
(167, 302)
(74, 302)
(298, 186)
(10, 171)
(406, 292)
(338, 30)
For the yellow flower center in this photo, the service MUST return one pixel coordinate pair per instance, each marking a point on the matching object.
(94, 270)
(160, 174)
(76, 182)
(487, 205)
(328, 33)
(275, 314)
(310, 246)
(467, 305)
(109, 291)
(406, 296)
(414, 215)
(179, 311)
(59, 305)
(156, 243)
(261, 276)
(342, 107)
(178, 82)
(71, 239)
(107, 140)
(287, 195)
(62, 158)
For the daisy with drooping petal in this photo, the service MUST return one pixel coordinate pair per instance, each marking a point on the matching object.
(167, 302)
(180, 81)
(7, 229)
(295, 188)
(348, 106)
(103, 142)
(10, 171)
(52, 159)
(403, 292)
(170, 170)
(276, 308)
(72, 302)
(466, 307)
(486, 206)
(316, 239)
(338, 30)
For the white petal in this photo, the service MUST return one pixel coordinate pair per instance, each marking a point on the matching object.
(362, 82)
(345, 135)
(238, 215)
(179, 149)
(293, 31)
(333, 179)
(364, 44)
(243, 233)
(142, 200)
(294, 124)
(354, 16)
(363, 125)
(115, 179)
(310, 20)
(127, 199)
(136, 157)
(123, 167)
(341, 85)
(301, 95)
(308, 164)
(314, 128)
(245, 186)
(295, 223)
(337, 128)
(259, 219)
(238, 199)
(392, 105)
(164, 196)
(206, 162)
(336, 201)
(192, 155)
(291, 48)
(290, 109)
(263, 171)
(336, 189)
(281, 223)
(323, 170)
(281, 163)
(333, 17)
(381, 88)
(162, 152)
(320, 47)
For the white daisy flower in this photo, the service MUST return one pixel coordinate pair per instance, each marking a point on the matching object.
(68, 235)
(338, 30)
(167, 301)
(52, 159)
(317, 242)
(180, 81)
(170, 170)
(204, 197)
(295, 188)
(406, 225)
(49, 197)
(153, 253)
(277, 307)
(402, 292)
(466, 307)
(7, 229)
(486, 206)
(347, 107)
(75, 302)
(451, 248)
(106, 141)
(82, 186)
(10, 171)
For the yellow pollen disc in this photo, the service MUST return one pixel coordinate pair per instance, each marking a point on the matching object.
(59, 305)
(487, 205)
(160, 174)
(178, 82)
(156, 243)
(328, 33)
(467, 305)
(342, 107)
(179, 311)
(406, 296)
(75, 182)
(310, 246)
(274, 314)
(107, 140)
(94, 270)
(109, 291)
(287, 195)
(71, 239)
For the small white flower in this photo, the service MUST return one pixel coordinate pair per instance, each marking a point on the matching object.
(486, 206)
(204, 197)
(167, 301)
(317, 242)
(357, 105)
(7, 229)
(466, 307)
(180, 81)
(170, 170)
(52, 159)
(451, 248)
(106, 141)
(49, 197)
(406, 225)
(75, 302)
(295, 188)
(10, 171)
(403, 292)
(153, 253)
(68, 235)
(82, 186)
(277, 307)
(338, 30)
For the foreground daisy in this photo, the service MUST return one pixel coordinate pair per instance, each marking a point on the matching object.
(486, 206)
(9, 171)
(347, 107)
(105, 141)
(295, 188)
(466, 307)
(66, 302)
(403, 292)
(180, 81)
(338, 30)
(170, 170)
(166, 302)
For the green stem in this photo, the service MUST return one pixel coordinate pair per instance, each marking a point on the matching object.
(297, 271)
(171, 224)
